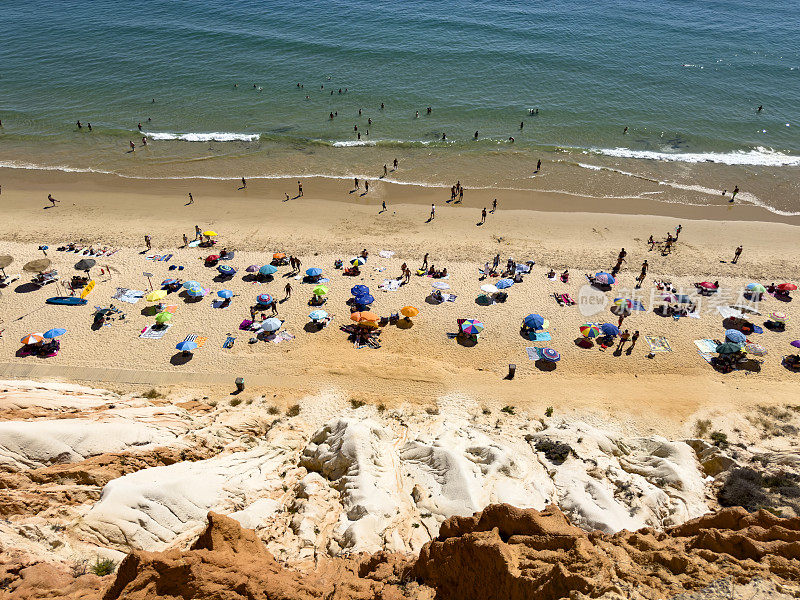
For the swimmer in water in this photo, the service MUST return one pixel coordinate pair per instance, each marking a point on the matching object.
(416, 115)
(132, 145)
(476, 135)
(369, 121)
(144, 141)
(79, 125)
(444, 137)
(624, 131)
(760, 108)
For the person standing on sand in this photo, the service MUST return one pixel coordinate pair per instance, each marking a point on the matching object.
(355, 179)
(366, 186)
(288, 291)
(678, 230)
(52, 200)
(460, 195)
(483, 216)
(132, 145)
(634, 337)
(735, 191)
(287, 197)
(385, 170)
(433, 212)
(147, 242)
(299, 189)
(395, 164)
(197, 232)
(191, 198)
(383, 206)
(244, 183)
(424, 262)
(494, 206)
(736, 255)
(538, 165)
(185, 240)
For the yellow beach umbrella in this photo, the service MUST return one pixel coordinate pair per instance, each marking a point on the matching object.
(210, 233)
(156, 295)
(409, 311)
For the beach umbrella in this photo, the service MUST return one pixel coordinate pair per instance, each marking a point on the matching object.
(320, 290)
(357, 261)
(707, 285)
(624, 302)
(364, 317)
(589, 331)
(170, 281)
(163, 317)
(226, 270)
(621, 310)
(604, 278)
(212, 257)
(186, 346)
(225, 294)
(549, 354)
(196, 292)
(786, 287)
(755, 287)
(409, 311)
(156, 295)
(779, 317)
(669, 298)
(365, 299)
(534, 321)
(609, 329)
(472, 326)
(268, 270)
(5, 260)
(252, 268)
(317, 315)
(795, 343)
(278, 256)
(210, 233)
(264, 299)
(54, 333)
(271, 324)
(441, 285)
(314, 272)
(191, 284)
(755, 349)
(504, 283)
(489, 288)
(359, 290)
(735, 336)
(33, 338)
(85, 264)
(728, 348)
(37, 266)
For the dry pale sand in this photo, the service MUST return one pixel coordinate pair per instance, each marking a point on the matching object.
(416, 364)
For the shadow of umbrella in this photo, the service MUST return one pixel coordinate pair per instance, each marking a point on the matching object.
(405, 323)
(181, 358)
(545, 365)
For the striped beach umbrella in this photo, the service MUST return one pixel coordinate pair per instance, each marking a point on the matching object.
(550, 354)
(624, 302)
(357, 261)
(504, 283)
(196, 292)
(272, 324)
(755, 349)
(169, 281)
(589, 331)
(264, 299)
(191, 284)
(226, 270)
(33, 338)
(472, 326)
(779, 317)
(268, 270)
(735, 336)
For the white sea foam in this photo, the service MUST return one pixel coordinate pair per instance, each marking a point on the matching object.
(215, 136)
(11, 164)
(350, 143)
(756, 156)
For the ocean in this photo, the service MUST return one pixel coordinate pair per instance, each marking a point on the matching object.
(231, 89)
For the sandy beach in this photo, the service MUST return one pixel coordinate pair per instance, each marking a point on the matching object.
(416, 363)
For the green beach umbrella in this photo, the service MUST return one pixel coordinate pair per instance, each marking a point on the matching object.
(163, 317)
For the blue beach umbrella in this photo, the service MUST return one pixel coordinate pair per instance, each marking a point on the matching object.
(733, 335)
(609, 329)
(225, 294)
(550, 354)
(359, 290)
(504, 283)
(186, 346)
(170, 281)
(226, 270)
(317, 315)
(264, 299)
(54, 333)
(365, 299)
(272, 324)
(534, 321)
(313, 272)
(196, 292)
(191, 284)
(268, 270)
(605, 278)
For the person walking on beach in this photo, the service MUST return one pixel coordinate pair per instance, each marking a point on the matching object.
(621, 256)
(460, 194)
(355, 179)
(385, 170)
(147, 242)
(736, 255)
(424, 262)
(185, 240)
(383, 206)
(634, 337)
(144, 141)
(197, 232)
(433, 212)
(395, 164)
(191, 198)
(538, 165)
(483, 216)
(678, 230)
(244, 183)
(366, 186)
(299, 189)
(288, 291)
(494, 206)
(132, 145)
(735, 191)
(52, 200)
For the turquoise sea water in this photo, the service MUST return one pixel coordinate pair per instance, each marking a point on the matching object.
(685, 77)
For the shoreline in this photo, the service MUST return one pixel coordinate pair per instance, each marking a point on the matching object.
(18, 182)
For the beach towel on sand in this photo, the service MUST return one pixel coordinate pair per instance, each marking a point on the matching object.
(129, 296)
(390, 285)
(541, 336)
(150, 333)
(229, 342)
(193, 337)
(706, 345)
(658, 343)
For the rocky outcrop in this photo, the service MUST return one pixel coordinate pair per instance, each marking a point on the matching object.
(506, 553)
